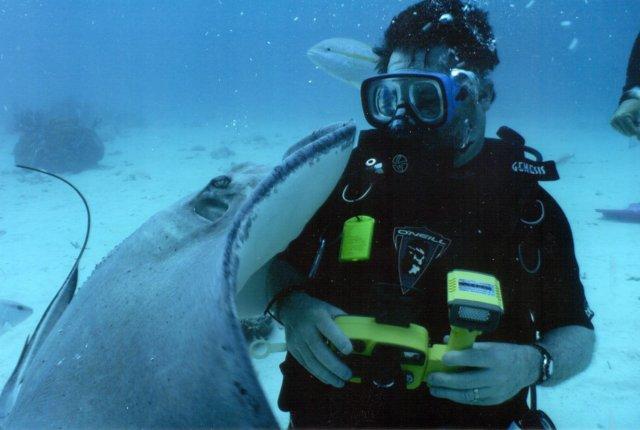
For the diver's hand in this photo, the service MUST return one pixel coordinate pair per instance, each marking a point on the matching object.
(626, 118)
(308, 322)
(501, 371)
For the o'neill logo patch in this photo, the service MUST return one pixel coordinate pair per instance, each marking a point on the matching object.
(416, 247)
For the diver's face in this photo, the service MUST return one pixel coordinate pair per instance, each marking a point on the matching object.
(465, 133)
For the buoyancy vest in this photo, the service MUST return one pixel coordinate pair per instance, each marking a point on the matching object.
(396, 186)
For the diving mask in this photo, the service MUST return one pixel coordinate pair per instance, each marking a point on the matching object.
(426, 100)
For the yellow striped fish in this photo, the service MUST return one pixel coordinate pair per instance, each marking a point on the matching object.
(349, 60)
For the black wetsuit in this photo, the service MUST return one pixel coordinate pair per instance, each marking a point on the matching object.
(474, 213)
(633, 70)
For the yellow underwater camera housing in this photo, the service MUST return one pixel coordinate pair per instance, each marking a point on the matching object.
(475, 307)
(367, 335)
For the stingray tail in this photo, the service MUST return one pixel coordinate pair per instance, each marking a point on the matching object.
(50, 317)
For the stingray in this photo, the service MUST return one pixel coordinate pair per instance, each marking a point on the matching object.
(630, 214)
(152, 338)
(12, 314)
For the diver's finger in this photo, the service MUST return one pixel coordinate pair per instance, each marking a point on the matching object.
(295, 351)
(466, 380)
(328, 359)
(615, 124)
(318, 370)
(300, 357)
(471, 357)
(626, 124)
(335, 335)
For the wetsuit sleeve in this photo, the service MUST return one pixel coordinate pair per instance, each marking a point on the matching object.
(633, 70)
(301, 252)
(562, 299)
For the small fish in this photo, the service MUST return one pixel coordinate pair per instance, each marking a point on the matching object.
(566, 23)
(12, 314)
(349, 60)
(630, 214)
(531, 3)
(565, 158)
(574, 44)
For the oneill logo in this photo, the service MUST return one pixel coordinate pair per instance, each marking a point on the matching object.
(424, 236)
(417, 247)
(524, 167)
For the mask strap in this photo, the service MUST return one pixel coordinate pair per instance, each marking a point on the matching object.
(467, 137)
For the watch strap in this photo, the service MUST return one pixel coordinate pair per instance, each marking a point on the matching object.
(279, 296)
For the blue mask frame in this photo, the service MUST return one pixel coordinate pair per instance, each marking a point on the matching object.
(449, 90)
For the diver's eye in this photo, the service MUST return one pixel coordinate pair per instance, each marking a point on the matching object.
(386, 101)
(222, 182)
(425, 94)
(425, 97)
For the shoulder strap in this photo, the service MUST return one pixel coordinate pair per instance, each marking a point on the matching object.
(524, 167)
(528, 232)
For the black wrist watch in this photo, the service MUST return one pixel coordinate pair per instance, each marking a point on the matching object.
(546, 364)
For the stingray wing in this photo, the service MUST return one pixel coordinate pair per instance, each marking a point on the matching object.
(283, 203)
(161, 344)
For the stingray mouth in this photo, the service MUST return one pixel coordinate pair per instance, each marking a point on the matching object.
(211, 208)
(211, 203)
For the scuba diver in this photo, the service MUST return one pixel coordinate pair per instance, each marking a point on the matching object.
(626, 118)
(425, 201)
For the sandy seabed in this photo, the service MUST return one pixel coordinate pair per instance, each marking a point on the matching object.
(42, 225)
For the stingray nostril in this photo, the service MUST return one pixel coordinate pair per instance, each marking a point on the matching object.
(221, 182)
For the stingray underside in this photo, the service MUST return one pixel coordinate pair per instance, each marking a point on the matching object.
(152, 338)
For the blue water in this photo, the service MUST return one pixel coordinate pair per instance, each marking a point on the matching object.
(204, 66)
(223, 60)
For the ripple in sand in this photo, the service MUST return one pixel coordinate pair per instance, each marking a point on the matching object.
(222, 153)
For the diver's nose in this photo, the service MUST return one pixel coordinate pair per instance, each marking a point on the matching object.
(401, 111)
(401, 124)
(396, 125)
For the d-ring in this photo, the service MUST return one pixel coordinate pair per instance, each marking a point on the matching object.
(524, 266)
(348, 200)
(540, 218)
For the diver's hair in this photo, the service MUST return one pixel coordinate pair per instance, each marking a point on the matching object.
(457, 24)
